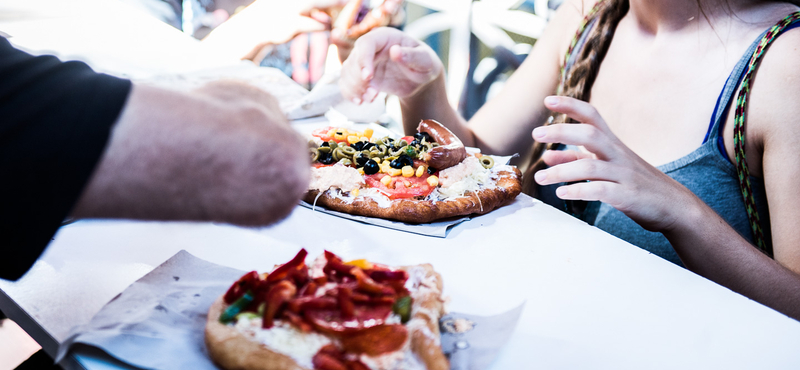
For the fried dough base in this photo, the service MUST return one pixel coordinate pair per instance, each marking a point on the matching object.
(232, 350)
(424, 211)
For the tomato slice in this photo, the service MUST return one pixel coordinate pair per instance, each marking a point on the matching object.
(322, 133)
(331, 321)
(401, 187)
(408, 139)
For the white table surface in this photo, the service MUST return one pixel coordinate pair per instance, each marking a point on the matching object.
(591, 300)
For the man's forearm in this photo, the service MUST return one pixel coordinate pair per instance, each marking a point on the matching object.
(217, 154)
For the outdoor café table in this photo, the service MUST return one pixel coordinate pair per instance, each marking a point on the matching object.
(591, 300)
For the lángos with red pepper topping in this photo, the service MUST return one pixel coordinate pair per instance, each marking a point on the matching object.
(354, 315)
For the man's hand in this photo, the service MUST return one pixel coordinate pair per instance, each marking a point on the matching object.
(222, 153)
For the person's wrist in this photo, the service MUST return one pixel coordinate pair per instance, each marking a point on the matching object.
(432, 90)
(686, 215)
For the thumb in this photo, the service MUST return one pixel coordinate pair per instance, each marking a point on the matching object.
(417, 59)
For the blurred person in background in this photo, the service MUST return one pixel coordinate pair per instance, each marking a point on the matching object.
(639, 81)
(292, 36)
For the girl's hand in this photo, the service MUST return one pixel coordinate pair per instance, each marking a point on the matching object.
(387, 60)
(615, 174)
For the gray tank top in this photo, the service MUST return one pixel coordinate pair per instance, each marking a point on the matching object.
(707, 172)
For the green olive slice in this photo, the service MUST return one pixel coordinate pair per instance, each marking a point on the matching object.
(487, 162)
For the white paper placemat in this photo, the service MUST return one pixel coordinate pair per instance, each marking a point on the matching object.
(158, 322)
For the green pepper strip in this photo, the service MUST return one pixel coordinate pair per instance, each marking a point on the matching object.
(403, 308)
(236, 307)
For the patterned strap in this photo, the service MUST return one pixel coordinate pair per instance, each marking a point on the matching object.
(739, 130)
(586, 20)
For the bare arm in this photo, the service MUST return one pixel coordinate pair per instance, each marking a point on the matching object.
(222, 153)
(504, 123)
(773, 136)
(704, 241)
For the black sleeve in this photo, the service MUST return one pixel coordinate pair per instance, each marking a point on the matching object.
(55, 120)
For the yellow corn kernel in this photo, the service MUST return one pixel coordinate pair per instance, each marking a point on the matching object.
(386, 180)
(354, 192)
(363, 138)
(433, 181)
(408, 171)
(352, 139)
(394, 172)
(331, 132)
(339, 136)
(360, 170)
(368, 132)
(385, 163)
(362, 264)
(421, 171)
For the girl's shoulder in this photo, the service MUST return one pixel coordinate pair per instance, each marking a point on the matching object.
(773, 104)
(567, 21)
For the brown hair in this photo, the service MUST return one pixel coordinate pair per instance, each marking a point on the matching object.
(580, 76)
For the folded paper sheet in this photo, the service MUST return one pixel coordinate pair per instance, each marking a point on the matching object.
(158, 322)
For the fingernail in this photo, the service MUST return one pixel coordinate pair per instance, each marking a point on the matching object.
(561, 192)
(540, 176)
(539, 132)
(551, 100)
(365, 73)
(357, 101)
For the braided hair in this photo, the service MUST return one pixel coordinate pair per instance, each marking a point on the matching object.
(577, 81)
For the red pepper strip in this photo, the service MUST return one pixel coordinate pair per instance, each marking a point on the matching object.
(398, 286)
(366, 284)
(300, 275)
(356, 365)
(308, 290)
(332, 350)
(246, 282)
(297, 321)
(288, 269)
(337, 268)
(374, 301)
(278, 295)
(324, 361)
(304, 303)
(346, 305)
(376, 340)
(335, 264)
(384, 275)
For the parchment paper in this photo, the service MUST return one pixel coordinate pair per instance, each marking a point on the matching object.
(435, 229)
(158, 322)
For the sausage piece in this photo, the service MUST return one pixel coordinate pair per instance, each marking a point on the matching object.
(450, 151)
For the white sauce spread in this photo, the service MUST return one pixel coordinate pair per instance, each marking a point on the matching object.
(469, 175)
(380, 198)
(336, 176)
(285, 339)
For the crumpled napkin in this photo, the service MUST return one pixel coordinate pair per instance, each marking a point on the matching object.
(158, 322)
